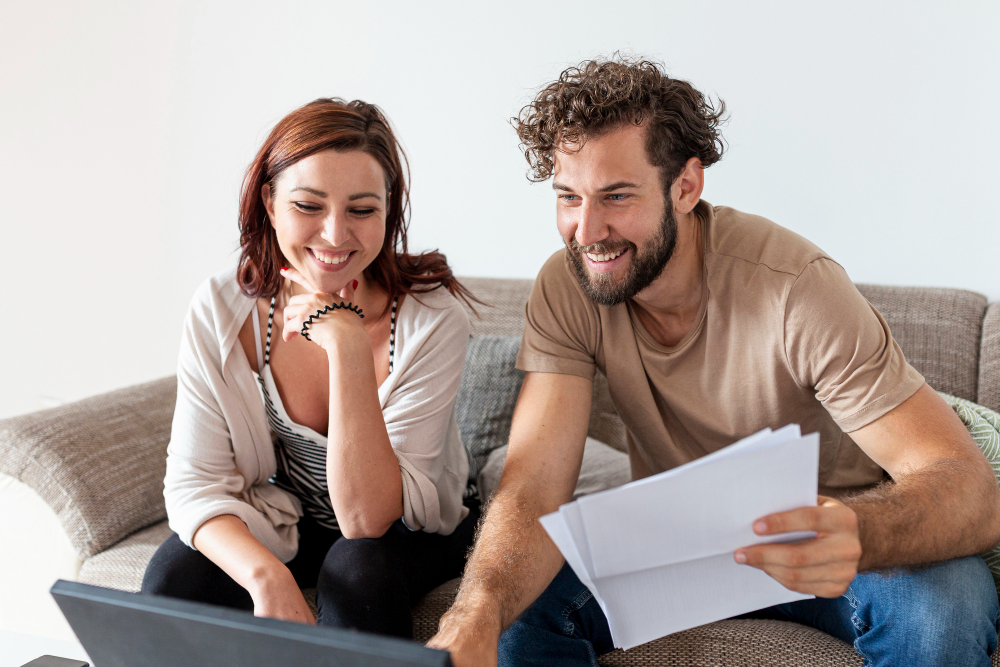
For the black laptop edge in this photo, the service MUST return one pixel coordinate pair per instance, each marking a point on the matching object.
(348, 640)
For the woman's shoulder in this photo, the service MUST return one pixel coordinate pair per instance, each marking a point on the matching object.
(437, 307)
(218, 310)
(220, 295)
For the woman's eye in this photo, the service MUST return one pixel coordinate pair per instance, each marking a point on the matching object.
(303, 206)
(363, 212)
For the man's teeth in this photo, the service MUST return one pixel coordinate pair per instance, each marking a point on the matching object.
(326, 259)
(605, 256)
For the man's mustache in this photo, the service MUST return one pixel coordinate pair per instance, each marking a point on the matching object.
(600, 248)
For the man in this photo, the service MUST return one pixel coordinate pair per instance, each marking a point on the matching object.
(710, 325)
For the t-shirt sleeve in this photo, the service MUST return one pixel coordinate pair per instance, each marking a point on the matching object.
(561, 324)
(840, 346)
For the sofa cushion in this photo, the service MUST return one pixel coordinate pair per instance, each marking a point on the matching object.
(123, 565)
(603, 468)
(984, 427)
(939, 331)
(485, 403)
(98, 463)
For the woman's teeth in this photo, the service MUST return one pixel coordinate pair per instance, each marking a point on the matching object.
(331, 259)
(605, 257)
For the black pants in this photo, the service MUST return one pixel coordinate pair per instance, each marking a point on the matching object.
(365, 584)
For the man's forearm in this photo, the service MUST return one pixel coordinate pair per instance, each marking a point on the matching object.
(513, 562)
(946, 510)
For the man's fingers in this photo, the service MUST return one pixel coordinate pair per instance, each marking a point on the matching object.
(827, 518)
(811, 553)
(825, 582)
(823, 570)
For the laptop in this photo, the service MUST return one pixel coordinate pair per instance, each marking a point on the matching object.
(120, 629)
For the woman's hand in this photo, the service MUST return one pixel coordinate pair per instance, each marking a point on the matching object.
(278, 596)
(326, 330)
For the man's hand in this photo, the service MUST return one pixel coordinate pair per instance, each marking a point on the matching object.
(514, 560)
(470, 643)
(823, 566)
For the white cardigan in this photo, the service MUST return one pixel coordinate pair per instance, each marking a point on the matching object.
(221, 452)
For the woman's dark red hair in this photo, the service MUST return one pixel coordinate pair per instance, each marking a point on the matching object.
(332, 123)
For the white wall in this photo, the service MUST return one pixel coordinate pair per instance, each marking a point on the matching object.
(125, 128)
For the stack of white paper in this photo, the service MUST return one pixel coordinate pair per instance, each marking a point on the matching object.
(658, 553)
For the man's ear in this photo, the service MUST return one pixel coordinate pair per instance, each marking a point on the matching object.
(265, 194)
(685, 192)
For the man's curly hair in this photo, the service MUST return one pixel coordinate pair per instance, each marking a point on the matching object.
(598, 96)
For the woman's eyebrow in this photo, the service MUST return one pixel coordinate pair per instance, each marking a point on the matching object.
(318, 193)
(362, 195)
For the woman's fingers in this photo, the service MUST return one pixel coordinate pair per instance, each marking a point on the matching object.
(347, 293)
(300, 307)
(296, 277)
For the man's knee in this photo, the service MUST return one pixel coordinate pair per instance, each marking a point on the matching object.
(565, 615)
(939, 613)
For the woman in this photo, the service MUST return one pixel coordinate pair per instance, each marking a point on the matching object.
(314, 440)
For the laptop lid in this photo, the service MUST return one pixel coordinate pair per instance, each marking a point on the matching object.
(121, 629)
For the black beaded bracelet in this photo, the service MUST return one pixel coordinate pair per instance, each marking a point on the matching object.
(323, 311)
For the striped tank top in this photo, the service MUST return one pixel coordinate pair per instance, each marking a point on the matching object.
(300, 451)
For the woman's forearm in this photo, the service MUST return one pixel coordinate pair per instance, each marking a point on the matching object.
(363, 475)
(226, 541)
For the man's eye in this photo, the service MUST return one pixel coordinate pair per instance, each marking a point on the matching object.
(618, 197)
(303, 206)
(568, 197)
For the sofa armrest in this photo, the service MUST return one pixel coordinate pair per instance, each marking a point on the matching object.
(98, 463)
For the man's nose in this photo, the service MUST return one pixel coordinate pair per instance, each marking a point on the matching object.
(591, 227)
(335, 230)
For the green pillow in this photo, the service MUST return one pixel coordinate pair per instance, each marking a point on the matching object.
(984, 427)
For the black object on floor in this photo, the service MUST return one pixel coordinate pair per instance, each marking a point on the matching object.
(53, 661)
(121, 629)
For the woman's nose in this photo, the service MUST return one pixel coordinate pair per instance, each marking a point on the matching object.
(335, 230)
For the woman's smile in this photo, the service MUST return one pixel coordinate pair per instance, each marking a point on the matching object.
(330, 261)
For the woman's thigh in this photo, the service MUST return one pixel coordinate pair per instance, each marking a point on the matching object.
(371, 584)
(178, 571)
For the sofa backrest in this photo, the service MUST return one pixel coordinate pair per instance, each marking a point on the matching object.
(503, 315)
(941, 332)
(989, 360)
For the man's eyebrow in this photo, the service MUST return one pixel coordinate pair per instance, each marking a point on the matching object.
(618, 186)
(318, 193)
(362, 195)
(607, 188)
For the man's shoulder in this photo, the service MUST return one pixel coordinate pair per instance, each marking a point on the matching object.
(557, 278)
(735, 236)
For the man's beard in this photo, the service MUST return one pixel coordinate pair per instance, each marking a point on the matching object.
(643, 269)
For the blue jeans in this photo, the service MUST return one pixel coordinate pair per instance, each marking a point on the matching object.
(942, 615)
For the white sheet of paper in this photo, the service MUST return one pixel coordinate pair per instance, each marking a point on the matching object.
(658, 553)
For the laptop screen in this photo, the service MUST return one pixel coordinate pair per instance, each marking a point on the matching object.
(121, 629)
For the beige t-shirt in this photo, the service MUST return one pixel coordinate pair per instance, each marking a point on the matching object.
(782, 337)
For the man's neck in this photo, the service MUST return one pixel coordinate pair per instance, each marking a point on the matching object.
(669, 307)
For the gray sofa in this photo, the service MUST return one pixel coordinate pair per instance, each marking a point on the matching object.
(96, 466)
